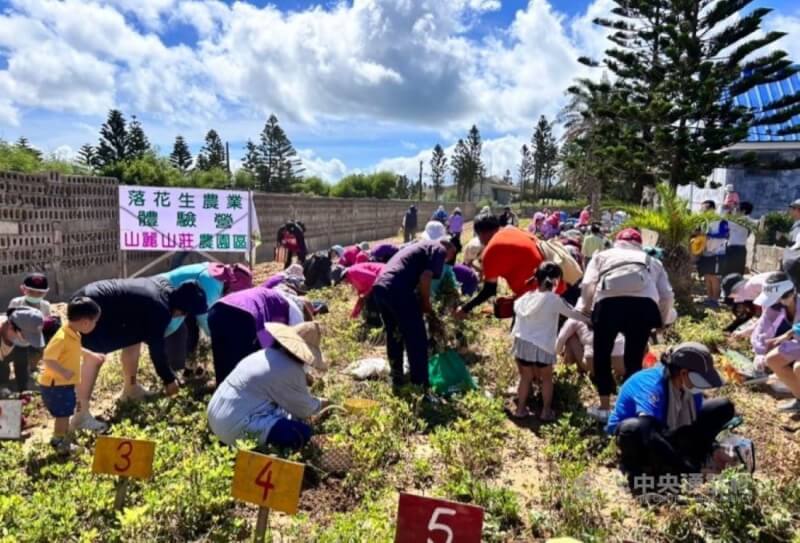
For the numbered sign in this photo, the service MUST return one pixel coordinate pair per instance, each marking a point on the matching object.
(428, 520)
(124, 457)
(10, 419)
(267, 481)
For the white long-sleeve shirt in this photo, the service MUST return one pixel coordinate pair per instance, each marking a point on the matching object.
(537, 315)
(657, 288)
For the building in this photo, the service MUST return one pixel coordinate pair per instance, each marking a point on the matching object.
(767, 189)
(496, 190)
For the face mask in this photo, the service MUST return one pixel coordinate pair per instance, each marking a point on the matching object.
(33, 300)
(173, 325)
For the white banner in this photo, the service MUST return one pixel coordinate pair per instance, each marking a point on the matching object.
(184, 219)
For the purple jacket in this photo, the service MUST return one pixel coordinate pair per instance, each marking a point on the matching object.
(264, 304)
(456, 224)
(467, 278)
(767, 327)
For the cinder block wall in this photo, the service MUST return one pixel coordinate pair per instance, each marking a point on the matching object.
(68, 227)
(343, 221)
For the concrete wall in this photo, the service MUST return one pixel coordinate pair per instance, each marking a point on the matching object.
(68, 227)
(768, 190)
(767, 258)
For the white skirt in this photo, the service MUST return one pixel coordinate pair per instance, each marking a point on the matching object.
(527, 351)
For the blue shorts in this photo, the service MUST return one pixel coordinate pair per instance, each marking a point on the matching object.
(59, 400)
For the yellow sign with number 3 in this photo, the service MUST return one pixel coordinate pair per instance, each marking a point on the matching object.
(267, 481)
(124, 457)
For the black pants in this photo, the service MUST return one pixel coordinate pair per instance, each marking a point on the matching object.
(405, 331)
(408, 234)
(19, 358)
(645, 448)
(233, 337)
(632, 317)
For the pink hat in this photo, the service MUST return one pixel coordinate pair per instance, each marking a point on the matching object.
(235, 277)
(630, 235)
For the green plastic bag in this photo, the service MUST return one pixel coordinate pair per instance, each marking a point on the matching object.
(448, 374)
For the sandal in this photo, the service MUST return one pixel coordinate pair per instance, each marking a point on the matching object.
(550, 416)
(524, 415)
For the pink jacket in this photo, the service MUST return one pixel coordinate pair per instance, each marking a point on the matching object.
(353, 255)
(767, 327)
(362, 277)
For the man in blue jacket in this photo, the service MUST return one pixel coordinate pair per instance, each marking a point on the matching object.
(661, 421)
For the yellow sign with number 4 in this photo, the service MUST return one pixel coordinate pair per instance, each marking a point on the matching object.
(267, 481)
(124, 457)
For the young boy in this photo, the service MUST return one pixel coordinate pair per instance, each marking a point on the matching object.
(34, 289)
(62, 368)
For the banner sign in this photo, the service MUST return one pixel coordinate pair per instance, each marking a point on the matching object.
(184, 219)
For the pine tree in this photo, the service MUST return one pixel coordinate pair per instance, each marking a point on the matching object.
(87, 157)
(507, 179)
(542, 143)
(181, 157)
(525, 171)
(477, 170)
(278, 165)
(402, 189)
(138, 144)
(212, 155)
(113, 145)
(678, 67)
(461, 165)
(24, 145)
(438, 170)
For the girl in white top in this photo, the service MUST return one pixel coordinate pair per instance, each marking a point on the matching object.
(535, 332)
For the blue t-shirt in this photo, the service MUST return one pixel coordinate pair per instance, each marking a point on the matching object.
(212, 287)
(644, 394)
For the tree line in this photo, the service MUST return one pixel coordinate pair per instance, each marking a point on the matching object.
(669, 112)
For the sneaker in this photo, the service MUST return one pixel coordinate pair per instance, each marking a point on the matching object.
(598, 414)
(790, 406)
(135, 393)
(85, 421)
(64, 447)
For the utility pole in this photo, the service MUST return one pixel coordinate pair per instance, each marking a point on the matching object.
(420, 180)
(228, 160)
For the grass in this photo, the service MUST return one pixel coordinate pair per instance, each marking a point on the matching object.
(533, 481)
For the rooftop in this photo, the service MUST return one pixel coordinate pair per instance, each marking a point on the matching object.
(764, 94)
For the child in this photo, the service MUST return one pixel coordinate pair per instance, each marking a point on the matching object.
(535, 332)
(34, 288)
(62, 368)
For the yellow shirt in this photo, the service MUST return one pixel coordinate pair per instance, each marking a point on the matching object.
(64, 348)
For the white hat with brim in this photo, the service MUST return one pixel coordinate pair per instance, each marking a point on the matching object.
(301, 341)
(434, 231)
(772, 293)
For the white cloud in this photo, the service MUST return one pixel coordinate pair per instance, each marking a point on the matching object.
(329, 170)
(791, 25)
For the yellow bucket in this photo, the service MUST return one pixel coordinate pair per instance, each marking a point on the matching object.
(360, 405)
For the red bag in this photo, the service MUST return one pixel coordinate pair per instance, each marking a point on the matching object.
(504, 307)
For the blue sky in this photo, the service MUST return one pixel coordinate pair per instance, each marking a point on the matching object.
(358, 85)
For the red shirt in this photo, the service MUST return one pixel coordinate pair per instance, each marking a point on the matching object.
(513, 255)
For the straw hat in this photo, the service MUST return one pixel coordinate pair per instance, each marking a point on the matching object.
(302, 341)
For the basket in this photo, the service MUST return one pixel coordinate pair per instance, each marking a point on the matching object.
(332, 457)
(504, 307)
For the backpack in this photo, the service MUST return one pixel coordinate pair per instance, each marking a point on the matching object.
(317, 271)
(627, 277)
(556, 252)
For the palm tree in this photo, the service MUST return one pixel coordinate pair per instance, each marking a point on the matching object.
(675, 223)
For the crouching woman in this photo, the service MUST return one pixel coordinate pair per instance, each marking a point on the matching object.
(661, 421)
(266, 396)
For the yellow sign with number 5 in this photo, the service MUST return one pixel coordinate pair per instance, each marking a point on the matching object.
(267, 481)
(124, 457)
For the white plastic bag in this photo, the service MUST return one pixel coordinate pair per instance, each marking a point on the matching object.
(369, 368)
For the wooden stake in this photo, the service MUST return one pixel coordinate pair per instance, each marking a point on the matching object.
(122, 491)
(262, 521)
